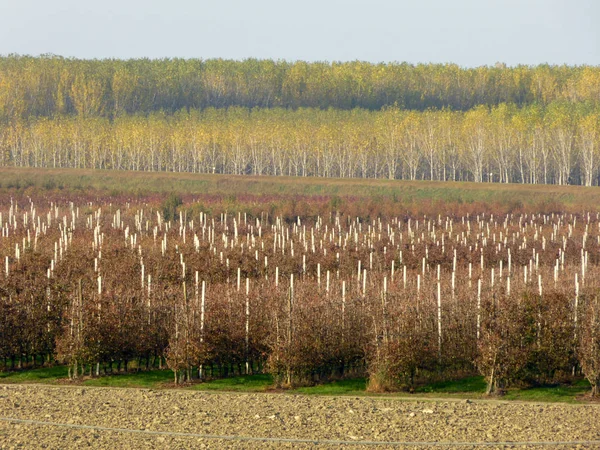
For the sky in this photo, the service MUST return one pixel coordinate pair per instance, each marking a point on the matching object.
(466, 32)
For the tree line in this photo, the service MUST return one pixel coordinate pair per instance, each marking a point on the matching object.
(554, 144)
(51, 85)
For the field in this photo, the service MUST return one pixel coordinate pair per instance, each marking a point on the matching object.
(414, 195)
(300, 286)
(75, 417)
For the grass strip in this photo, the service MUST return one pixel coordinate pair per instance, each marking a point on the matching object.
(468, 387)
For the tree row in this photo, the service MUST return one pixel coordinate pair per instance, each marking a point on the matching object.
(558, 144)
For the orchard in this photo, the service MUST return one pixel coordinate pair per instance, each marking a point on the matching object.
(105, 287)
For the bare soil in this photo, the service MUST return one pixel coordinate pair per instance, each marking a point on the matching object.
(61, 417)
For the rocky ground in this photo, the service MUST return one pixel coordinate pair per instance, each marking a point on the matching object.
(35, 416)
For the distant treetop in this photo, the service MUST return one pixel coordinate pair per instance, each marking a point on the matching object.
(51, 85)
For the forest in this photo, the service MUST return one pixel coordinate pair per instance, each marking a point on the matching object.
(51, 85)
(525, 124)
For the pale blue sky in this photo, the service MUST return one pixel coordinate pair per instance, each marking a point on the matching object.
(466, 32)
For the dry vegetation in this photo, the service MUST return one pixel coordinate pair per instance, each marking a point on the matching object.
(375, 196)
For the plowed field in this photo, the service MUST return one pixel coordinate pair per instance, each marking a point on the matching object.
(34, 416)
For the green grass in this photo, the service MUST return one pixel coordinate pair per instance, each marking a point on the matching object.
(249, 383)
(468, 387)
(352, 386)
(558, 393)
(42, 375)
(143, 379)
